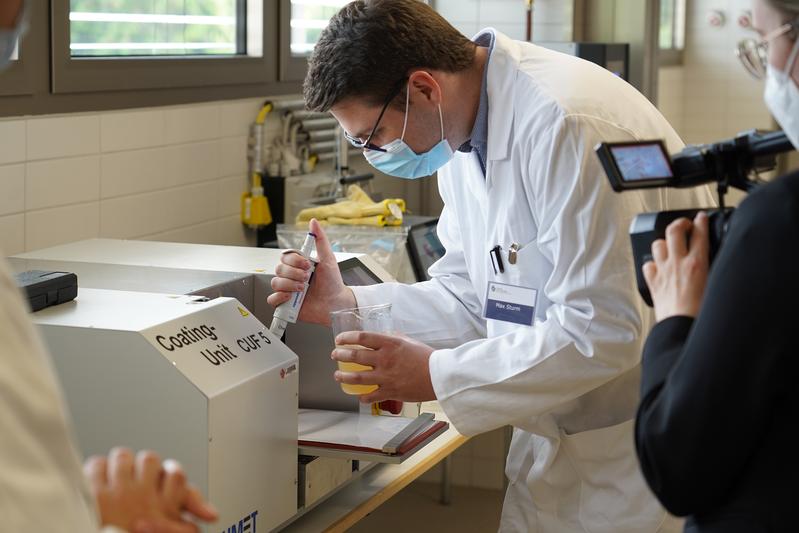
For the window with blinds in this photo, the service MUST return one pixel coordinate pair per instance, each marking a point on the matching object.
(157, 28)
(308, 19)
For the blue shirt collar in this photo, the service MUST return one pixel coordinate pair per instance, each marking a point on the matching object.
(478, 140)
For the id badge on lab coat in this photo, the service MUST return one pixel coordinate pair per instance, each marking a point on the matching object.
(510, 303)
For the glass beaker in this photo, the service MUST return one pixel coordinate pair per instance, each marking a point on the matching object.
(375, 318)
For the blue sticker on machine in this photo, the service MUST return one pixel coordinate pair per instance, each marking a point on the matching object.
(510, 303)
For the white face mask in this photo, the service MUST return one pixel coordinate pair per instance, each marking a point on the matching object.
(782, 97)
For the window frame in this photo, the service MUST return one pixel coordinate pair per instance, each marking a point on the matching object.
(673, 55)
(92, 74)
(31, 94)
(16, 79)
(292, 68)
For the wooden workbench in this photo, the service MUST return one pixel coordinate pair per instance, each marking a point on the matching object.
(376, 485)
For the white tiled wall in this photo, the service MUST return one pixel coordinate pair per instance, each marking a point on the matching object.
(552, 20)
(670, 95)
(711, 97)
(173, 173)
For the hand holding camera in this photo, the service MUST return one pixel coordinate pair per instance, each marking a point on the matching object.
(646, 165)
(677, 274)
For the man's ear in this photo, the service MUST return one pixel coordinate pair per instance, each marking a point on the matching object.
(425, 87)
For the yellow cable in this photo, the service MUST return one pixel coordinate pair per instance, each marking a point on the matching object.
(260, 119)
(254, 205)
(265, 110)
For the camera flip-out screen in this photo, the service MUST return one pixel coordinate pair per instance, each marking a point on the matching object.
(636, 165)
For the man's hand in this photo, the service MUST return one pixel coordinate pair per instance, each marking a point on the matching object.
(327, 292)
(678, 274)
(142, 495)
(400, 366)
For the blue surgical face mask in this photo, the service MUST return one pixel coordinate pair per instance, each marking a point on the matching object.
(400, 161)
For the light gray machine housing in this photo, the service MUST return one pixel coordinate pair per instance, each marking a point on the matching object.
(173, 272)
(244, 273)
(195, 379)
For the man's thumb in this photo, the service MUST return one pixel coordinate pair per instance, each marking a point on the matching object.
(324, 251)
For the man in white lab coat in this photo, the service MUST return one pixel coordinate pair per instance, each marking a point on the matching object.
(42, 486)
(531, 318)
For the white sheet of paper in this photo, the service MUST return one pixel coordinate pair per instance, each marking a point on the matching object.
(349, 429)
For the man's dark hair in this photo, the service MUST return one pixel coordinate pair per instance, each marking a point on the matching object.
(371, 45)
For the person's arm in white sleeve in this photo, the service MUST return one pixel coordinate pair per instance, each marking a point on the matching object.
(42, 487)
(443, 312)
(592, 330)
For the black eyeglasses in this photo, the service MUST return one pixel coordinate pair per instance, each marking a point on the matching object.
(367, 144)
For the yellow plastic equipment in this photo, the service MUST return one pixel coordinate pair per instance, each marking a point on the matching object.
(357, 209)
(255, 210)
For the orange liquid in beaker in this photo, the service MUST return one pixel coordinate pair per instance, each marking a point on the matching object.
(355, 390)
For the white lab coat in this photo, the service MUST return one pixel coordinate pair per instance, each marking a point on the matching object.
(42, 487)
(570, 383)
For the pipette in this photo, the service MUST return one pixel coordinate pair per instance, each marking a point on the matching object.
(287, 313)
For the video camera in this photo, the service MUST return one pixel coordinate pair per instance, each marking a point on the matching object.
(646, 165)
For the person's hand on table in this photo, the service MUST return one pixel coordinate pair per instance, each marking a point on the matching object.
(143, 495)
(326, 293)
(400, 366)
(677, 275)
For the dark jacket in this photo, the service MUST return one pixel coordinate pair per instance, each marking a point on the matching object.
(720, 393)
